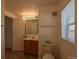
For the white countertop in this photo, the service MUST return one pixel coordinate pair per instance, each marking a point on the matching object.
(30, 39)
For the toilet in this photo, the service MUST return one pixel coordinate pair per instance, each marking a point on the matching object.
(48, 56)
(48, 51)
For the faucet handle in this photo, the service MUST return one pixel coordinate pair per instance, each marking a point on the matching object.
(48, 42)
(32, 37)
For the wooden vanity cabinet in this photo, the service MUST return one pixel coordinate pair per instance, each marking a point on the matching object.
(31, 47)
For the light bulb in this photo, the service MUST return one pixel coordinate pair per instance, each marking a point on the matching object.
(24, 18)
(28, 17)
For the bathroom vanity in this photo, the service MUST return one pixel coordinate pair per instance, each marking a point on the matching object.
(31, 46)
(31, 37)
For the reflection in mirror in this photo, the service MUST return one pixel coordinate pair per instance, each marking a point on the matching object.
(32, 27)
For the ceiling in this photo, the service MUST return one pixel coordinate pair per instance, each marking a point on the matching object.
(27, 7)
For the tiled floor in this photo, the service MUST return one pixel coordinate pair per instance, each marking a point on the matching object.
(18, 55)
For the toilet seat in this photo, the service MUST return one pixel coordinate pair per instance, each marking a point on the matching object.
(48, 56)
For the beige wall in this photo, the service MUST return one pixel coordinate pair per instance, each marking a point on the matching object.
(18, 32)
(47, 33)
(66, 49)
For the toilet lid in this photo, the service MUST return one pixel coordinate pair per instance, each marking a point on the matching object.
(48, 56)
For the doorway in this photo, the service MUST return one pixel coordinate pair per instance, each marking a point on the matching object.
(8, 32)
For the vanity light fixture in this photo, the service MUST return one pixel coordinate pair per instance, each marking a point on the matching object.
(29, 17)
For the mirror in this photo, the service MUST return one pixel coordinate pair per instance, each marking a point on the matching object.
(32, 26)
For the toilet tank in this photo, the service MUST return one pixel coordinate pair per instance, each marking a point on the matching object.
(48, 48)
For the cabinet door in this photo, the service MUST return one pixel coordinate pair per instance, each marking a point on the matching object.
(35, 47)
(31, 47)
(27, 46)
